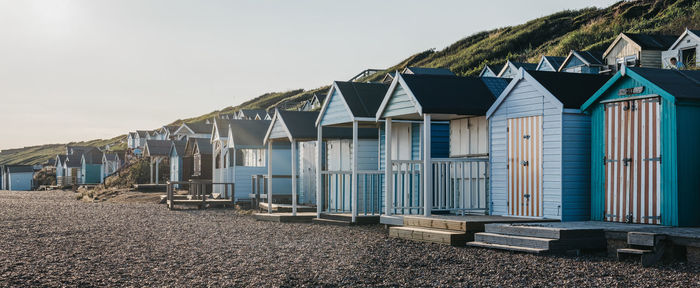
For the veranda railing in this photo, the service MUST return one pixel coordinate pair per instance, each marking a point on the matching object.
(337, 191)
(460, 185)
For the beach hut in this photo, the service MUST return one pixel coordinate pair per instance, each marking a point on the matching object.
(18, 177)
(549, 63)
(589, 62)
(510, 69)
(418, 111)
(490, 71)
(72, 170)
(293, 133)
(60, 169)
(350, 154)
(539, 146)
(131, 140)
(177, 153)
(644, 157)
(637, 50)
(90, 168)
(111, 162)
(201, 152)
(685, 50)
(248, 155)
(156, 151)
(194, 130)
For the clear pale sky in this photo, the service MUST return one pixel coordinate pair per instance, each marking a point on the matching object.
(74, 70)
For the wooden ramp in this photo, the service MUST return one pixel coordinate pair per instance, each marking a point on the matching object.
(286, 217)
(286, 208)
(449, 229)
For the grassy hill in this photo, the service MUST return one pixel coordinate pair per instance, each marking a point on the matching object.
(553, 35)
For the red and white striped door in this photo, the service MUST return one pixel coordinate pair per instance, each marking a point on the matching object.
(633, 161)
(525, 166)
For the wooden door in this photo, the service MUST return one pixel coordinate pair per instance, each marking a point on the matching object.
(525, 166)
(633, 161)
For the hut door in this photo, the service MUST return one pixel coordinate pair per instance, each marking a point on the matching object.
(525, 166)
(633, 161)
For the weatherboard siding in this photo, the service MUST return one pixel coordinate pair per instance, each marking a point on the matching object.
(650, 59)
(576, 167)
(278, 131)
(20, 181)
(336, 112)
(400, 103)
(524, 101)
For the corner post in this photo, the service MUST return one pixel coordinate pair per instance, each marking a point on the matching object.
(427, 167)
(319, 161)
(355, 179)
(294, 178)
(269, 177)
(388, 169)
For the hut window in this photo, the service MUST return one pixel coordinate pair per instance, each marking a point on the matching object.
(197, 165)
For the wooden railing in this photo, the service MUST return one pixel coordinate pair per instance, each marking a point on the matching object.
(259, 188)
(337, 192)
(407, 189)
(460, 185)
(199, 192)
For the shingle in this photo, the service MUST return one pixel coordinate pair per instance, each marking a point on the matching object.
(157, 147)
(179, 146)
(200, 127)
(592, 57)
(249, 132)
(652, 42)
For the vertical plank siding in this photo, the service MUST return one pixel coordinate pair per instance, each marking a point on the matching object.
(524, 167)
(576, 169)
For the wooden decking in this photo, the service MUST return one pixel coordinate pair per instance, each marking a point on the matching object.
(286, 207)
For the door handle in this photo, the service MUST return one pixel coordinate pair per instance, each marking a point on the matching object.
(524, 163)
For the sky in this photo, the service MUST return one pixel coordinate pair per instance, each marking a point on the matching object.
(73, 70)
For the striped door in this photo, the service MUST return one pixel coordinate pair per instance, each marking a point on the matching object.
(525, 166)
(633, 161)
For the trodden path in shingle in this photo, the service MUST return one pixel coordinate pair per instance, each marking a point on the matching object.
(51, 239)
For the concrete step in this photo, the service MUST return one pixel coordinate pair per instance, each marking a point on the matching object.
(511, 240)
(507, 247)
(333, 222)
(436, 223)
(543, 232)
(440, 236)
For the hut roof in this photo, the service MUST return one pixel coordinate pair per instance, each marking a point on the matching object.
(363, 99)
(450, 94)
(572, 89)
(157, 147)
(682, 84)
(249, 132)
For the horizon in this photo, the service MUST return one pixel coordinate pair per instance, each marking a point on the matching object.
(132, 65)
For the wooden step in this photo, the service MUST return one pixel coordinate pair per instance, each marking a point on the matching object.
(360, 219)
(633, 251)
(441, 236)
(644, 239)
(436, 223)
(333, 222)
(544, 232)
(507, 247)
(511, 240)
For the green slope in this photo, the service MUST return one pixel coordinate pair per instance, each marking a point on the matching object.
(553, 35)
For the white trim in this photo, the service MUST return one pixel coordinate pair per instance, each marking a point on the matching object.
(543, 59)
(685, 33)
(398, 80)
(327, 101)
(178, 129)
(272, 125)
(325, 104)
(619, 37)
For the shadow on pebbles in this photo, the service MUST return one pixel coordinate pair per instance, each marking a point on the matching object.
(50, 239)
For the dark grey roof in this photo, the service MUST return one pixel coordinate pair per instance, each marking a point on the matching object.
(222, 125)
(142, 133)
(682, 84)
(20, 168)
(652, 42)
(250, 113)
(495, 84)
(301, 125)
(61, 158)
(593, 57)
(428, 71)
(526, 66)
(179, 146)
(363, 99)
(572, 89)
(450, 94)
(73, 160)
(132, 134)
(157, 147)
(200, 127)
(204, 146)
(696, 32)
(89, 159)
(249, 132)
(555, 61)
(494, 68)
(171, 128)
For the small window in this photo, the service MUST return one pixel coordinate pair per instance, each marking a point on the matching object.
(688, 57)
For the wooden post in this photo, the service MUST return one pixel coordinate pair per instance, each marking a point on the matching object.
(354, 180)
(157, 167)
(388, 169)
(294, 178)
(269, 177)
(427, 167)
(319, 162)
(151, 170)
